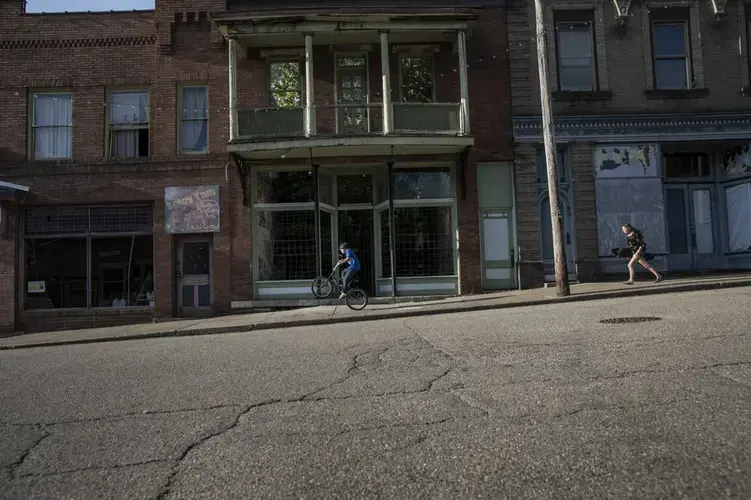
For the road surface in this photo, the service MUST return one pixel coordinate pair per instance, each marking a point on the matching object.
(541, 402)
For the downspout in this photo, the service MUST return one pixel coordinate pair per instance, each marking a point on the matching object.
(317, 201)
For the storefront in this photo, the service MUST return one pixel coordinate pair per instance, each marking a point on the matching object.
(401, 220)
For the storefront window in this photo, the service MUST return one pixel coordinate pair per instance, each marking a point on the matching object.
(738, 200)
(423, 241)
(60, 242)
(286, 243)
(285, 187)
(422, 184)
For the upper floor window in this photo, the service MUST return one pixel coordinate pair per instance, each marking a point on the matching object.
(671, 50)
(194, 119)
(285, 84)
(128, 124)
(416, 78)
(575, 49)
(51, 126)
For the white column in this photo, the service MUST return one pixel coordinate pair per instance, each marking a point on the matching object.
(233, 88)
(386, 84)
(463, 85)
(310, 117)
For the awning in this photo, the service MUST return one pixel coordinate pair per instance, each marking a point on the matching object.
(12, 192)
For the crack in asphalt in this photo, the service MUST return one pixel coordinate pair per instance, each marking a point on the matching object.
(15, 465)
(95, 468)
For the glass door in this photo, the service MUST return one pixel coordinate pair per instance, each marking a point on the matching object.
(702, 227)
(680, 256)
(194, 274)
(356, 224)
(352, 94)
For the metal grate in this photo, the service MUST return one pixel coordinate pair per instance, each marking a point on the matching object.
(631, 319)
(87, 219)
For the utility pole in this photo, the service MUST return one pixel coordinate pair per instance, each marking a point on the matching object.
(556, 218)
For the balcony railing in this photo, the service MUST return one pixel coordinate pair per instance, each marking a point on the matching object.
(350, 119)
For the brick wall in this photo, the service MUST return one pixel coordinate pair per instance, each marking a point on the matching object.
(717, 62)
(7, 272)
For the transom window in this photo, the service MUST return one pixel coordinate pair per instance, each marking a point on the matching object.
(285, 84)
(52, 126)
(681, 165)
(576, 56)
(128, 125)
(671, 53)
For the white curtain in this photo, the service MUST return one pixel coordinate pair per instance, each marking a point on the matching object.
(127, 108)
(738, 201)
(53, 125)
(194, 120)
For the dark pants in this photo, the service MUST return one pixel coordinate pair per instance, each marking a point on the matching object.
(346, 278)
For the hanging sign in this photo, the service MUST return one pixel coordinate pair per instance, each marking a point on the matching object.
(191, 209)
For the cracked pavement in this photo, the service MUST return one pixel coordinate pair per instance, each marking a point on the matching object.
(538, 402)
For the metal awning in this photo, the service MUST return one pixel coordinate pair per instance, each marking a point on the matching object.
(12, 192)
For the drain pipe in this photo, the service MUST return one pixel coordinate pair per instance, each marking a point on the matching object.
(392, 231)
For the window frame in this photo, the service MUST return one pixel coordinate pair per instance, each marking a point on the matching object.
(576, 18)
(685, 22)
(180, 119)
(108, 126)
(31, 127)
(269, 92)
(426, 55)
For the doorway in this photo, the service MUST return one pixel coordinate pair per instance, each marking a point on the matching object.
(193, 274)
(352, 94)
(691, 228)
(355, 222)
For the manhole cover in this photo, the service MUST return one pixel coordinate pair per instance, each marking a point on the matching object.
(632, 319)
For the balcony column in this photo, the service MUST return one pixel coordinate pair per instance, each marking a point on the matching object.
(232, 88)
(463, 84)
(310, 117)
(386, 84)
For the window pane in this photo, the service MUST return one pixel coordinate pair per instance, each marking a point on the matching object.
(542, 169)
(195, 136)
(194, 101)
(354, 189)
(417, 79)
(53, 142)
(56, 271)
(285, 84)
(286, 245)
(349, 62)
(671, 74)
(422, 183)
(111, 260)
(574, 40)
(53, 110)
(738, 200)
(669, 40)
(576, 79)
(129, 108)
(423, 241)
(285, 187)
(196, 258)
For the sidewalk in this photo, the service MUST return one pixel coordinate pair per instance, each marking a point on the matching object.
(342, 314)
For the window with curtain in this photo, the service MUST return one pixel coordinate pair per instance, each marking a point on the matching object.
(52, 126)
(194, 120)
(128, 124)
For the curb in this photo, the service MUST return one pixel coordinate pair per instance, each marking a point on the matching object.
(638, 292)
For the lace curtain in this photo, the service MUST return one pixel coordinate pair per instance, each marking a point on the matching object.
(194, 120)
(129, 115)
(53, 125)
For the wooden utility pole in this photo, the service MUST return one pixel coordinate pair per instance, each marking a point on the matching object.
(556, 218)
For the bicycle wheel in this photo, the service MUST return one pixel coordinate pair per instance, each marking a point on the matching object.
(322, 287)
(356, 299)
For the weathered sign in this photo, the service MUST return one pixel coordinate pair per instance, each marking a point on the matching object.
(191, 209)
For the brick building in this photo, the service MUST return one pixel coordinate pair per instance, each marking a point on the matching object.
(652, 127)
(202, 157)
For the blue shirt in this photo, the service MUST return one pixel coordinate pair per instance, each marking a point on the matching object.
(354, 262)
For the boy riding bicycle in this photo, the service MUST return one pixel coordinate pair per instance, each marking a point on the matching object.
(354, 266)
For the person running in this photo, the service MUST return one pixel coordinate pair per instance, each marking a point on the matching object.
(638, 246)
(354, 266)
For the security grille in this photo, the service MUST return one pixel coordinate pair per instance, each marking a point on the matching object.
(88, 219)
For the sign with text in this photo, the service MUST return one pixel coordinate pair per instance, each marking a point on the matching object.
(191, 209)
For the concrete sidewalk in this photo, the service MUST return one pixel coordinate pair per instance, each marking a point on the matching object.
(342, 314)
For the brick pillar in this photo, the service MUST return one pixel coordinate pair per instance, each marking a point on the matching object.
(8, 260)
(585, 211)
(528, 216)
(163, 264)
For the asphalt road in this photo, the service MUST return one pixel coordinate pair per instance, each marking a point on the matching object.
(540, 402)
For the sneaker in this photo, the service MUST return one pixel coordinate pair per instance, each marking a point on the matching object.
(342, 296)
(658, 279)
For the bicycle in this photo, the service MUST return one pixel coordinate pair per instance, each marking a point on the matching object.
(322, 287)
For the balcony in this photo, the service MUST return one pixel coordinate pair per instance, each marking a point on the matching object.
(408, 118)
(350, 83)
